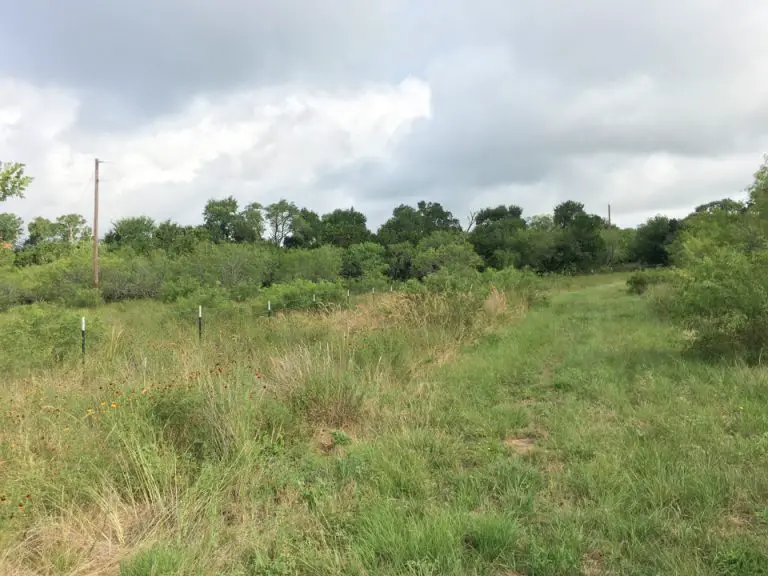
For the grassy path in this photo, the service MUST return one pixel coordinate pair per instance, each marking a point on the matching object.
(633, 460)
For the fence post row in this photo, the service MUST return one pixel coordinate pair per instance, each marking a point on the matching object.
(200, 317)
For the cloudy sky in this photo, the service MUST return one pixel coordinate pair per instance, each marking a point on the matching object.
(652, 106)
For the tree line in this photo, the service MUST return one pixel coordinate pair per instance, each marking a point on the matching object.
(414, 242)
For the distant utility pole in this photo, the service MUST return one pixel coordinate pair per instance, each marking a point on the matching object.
(96, 223)
(609, 215)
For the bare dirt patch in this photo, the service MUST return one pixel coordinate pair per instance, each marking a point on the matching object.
(520, 445)
(592, 564)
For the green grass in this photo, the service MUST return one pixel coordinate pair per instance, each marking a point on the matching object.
(408, 437)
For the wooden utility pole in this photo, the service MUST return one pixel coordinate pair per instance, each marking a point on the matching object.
(609, 215)
(96, 224)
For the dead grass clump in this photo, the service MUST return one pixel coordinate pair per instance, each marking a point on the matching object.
(87, 542)
(322, 383)
(495, 304)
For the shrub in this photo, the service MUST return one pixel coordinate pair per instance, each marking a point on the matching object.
(132, 279)
(639, 282)
(318, 264)
(10, 295)
(723, 299)
(41, 335)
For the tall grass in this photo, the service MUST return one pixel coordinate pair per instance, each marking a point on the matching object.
(472, 432)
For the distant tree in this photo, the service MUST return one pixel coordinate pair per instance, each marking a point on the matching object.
(543, 222)
(72, 228)
(344, 228)
(498, 235)
(177, 240)
(365, 260)
(442, 250)
(400, 261)
(134, 232)
(617, 242)
(13, 181)
(306, 229)
(40, 230)
(280, 217)
(11, 227)
(650, 245)
(221, 219)
(566, 213)
(490, 215)
(248, 225)
(409, 224)
(726, 205)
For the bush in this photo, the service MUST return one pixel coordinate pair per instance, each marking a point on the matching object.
(10, 295)
(639, 282)
(723, 300)
(41, 335)
(131, 279)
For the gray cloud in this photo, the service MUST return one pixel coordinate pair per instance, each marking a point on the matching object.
(532, 102)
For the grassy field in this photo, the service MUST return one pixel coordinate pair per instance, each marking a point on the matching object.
(418, 436)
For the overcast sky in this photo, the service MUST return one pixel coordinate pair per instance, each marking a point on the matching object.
(654, 106)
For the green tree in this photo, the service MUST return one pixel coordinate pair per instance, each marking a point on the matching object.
(497, 236)
(40, 230)
(617, 242)
(221, 219)
(178, 240)
(13, 181)
(365, 260)
(71, 228)
(400, 261)
(248, 224)
(566, 213)
(444, 251)
(137, 233)
(10, 228)
(409, 224)
(280, 217)
(344, 228)
(306, 229)
(652, 240)
(542, 222)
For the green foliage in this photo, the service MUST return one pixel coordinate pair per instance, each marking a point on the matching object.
(306, 230)
(444, 251)
(366, 260)
(412, 225)
(322, 263)
(723, 299)
(638, 282)
(10, 228)
(157, 561)
(7, 257)
(280, 217)
(40, 335)
(224, 223)
(13, 181)
(300, 294)
(721, 293)
(498, 235)
(344, 228)
(651, 241)
(135, 233)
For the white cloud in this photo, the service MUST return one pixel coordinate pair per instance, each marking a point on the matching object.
(256, 145)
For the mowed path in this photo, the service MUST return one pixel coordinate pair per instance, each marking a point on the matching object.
(633, 458)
